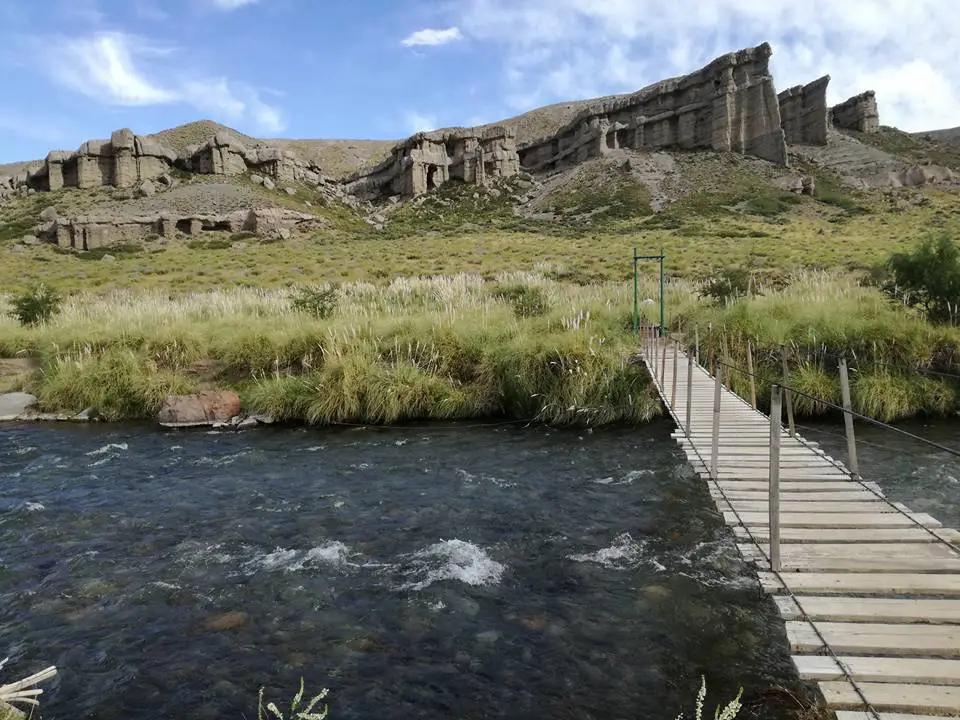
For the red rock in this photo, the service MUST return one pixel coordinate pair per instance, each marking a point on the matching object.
(226, 621)
(205, 408)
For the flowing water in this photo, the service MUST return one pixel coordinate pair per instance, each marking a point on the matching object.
(432, 572)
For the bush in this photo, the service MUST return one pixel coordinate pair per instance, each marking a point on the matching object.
(928, 278)
(321, 302)
(36, 305)
(527, 300)
(730, 284)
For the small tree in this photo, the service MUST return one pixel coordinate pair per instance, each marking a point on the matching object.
(320, 302)
(928, 278)
(36, 305)
(730, 284)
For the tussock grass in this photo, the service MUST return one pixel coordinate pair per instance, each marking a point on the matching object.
(819, 317)
(433, 348)
(456, 347)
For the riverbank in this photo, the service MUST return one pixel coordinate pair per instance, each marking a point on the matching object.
(518, 347)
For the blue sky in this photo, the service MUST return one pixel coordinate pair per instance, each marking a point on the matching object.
(77, 69)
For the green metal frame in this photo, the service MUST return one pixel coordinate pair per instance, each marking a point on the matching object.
(636, 300)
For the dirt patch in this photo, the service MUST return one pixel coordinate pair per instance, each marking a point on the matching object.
(15, 373)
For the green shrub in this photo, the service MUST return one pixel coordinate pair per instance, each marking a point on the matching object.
(526, 300)
(36, 305)
(730, 284)
(928, 278)
(320, 302)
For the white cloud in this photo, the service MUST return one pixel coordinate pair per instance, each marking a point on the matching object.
(102, 66)
(106, 68)
(905, 50)
(420, 123)
(430, 36)
(232, 4)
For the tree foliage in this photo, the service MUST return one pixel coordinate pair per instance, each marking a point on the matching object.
(928, 278)
(36, 305)
(730, 284)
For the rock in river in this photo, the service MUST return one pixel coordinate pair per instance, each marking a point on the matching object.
(205, 408)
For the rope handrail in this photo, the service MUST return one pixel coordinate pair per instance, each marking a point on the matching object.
(854, 413)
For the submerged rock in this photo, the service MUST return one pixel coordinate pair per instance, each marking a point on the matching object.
(226, 621)
(205, 408)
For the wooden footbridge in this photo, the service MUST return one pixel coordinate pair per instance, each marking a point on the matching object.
(868, 589)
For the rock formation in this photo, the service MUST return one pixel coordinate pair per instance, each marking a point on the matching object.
(858, 113)
(804, 114)
(428, 160)
(88, 232)
(122, 161)
(729, 105)
(224, 154)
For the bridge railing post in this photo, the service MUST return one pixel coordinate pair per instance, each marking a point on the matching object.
(773, 500)
(663, 361)
(852, 464)
(696, 343)
(673, 380)
(689, 395)
(715, 441)
(787, 395)
(751, 376)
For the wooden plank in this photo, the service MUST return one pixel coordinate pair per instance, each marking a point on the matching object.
(833, 519)
(850, 535)
(860, 558)
(919, 671)
(867, 715)
(865, 609)
(749, 474)
(875, 638)
(795, 506)
(820, 497)
(794, 486)
(900, 584)
(893, 697)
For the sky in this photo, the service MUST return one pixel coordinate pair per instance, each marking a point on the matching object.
(71, 70)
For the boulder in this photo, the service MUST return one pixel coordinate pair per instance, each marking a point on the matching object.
(30, 240)
(204, 408)
(269, 184)
(48, 214)
(14, 406)
(290, 191)
(147, 188)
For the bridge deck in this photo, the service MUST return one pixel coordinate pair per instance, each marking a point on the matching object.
(869, 590)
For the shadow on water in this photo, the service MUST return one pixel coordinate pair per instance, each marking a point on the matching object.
(418, 573)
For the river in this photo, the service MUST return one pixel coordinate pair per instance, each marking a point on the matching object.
(426, 572)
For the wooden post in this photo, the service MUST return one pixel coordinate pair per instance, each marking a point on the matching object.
(696, 343)
(726, 358)
(773, 501)
(663, 362)
(787, 395)
(673, 380)
(715, 441)
(852, 463)
(689, 393)
(753, 380)
(710, 348)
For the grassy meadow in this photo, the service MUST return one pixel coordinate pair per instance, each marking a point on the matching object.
(736, 217)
